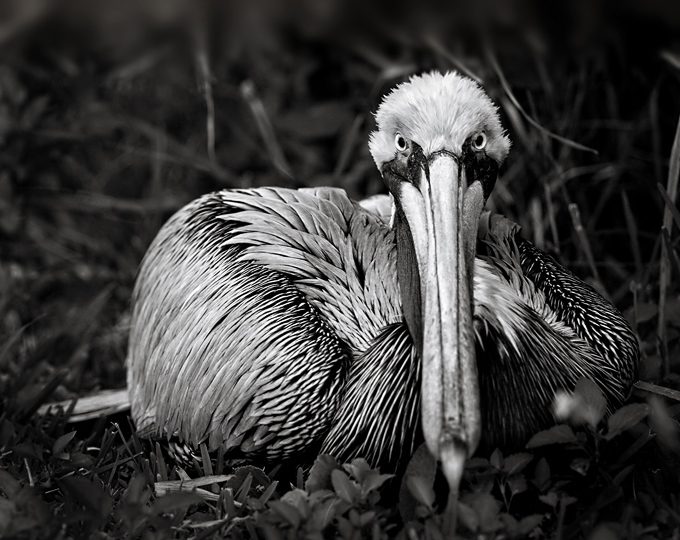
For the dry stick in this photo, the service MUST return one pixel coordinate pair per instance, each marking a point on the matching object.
(670, 205)
(105, 402)
(675, 267)
(656, 133)
(585, 243)
(656, 389)
(437, 47)
(348, 145)
(176, 152)
(206, 85)
(511, 96)
(206, 461)
(664, 273)
(265, 127)
(631, 225)
(536, 215)
(551, 217)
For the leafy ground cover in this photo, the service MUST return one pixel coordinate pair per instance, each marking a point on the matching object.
(113, 118)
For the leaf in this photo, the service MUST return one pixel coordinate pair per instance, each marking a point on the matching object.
(528, 524)
(551, 499)
(468, 517)
(604, 531)
(625, 418)
(269, 492)
(590, 403)
(298, 499)
(253, 476)
(477, 463)
(353, 516)
(346, 489)
(517, 484)
(366, 518)
(517, 462)
(509, 524)
(580, 465)
(320, 473)
(8, 513)
(244, 489)
(496, 459)
(666, 428)
(89, 494)
(287, 512)
(359, 469)
(176, 501)
(7, 431)
(421, 489)
(607, 496)
(79, 460)
(645, 311)
(422, 464)
(487, 508)
(622, 475)
(374, 481)
(271, 532)
(323, 513)
(345, 527)
(29, 450)
(137, 492)
(61, 442)
(560, 434)
(542, 474)
(9, 485)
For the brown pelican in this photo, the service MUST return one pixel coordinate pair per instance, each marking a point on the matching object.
(273, 322)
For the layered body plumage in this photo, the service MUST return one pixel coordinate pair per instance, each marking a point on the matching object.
(274, 323)
(269, 322)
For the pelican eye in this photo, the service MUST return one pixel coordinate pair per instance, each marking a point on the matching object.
(400, 142)
(479, 141)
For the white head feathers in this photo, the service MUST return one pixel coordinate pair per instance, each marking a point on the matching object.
(437, 111)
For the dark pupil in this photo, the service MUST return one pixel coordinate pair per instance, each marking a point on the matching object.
(401, 142)
(479, 141)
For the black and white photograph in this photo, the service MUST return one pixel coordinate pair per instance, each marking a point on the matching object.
(339, 270)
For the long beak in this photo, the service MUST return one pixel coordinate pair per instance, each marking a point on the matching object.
(443, 224)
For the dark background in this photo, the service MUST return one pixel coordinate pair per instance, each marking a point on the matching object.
(114, 114)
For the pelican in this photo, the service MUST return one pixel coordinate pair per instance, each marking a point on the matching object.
(273, 323)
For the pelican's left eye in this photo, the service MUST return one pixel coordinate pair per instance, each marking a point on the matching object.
(400, 142)
(479, 141)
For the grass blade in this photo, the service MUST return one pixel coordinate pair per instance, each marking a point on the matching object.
(664, 272)
(506, 87)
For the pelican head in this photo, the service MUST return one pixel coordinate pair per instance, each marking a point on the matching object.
(438, 147)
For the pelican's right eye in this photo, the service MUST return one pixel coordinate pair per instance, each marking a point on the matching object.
(400, 142)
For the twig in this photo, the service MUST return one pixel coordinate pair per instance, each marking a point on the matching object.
(105, 402)
(670, 206)
(511, 96)
(583, 238)
(673, 260)
(551, 217)
(205, 81)
(348, 145)
(437, 47)
(664, 273)
(631, 225)
(265, 127)
(656, 389)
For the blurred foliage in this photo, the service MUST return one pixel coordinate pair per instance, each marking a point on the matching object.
(587, 478)
(115, 114)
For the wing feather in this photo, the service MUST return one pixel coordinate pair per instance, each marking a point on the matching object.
(247, 311)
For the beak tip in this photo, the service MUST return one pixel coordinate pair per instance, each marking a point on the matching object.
(453, 455)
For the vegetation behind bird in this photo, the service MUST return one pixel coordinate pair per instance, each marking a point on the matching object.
(105, 134)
